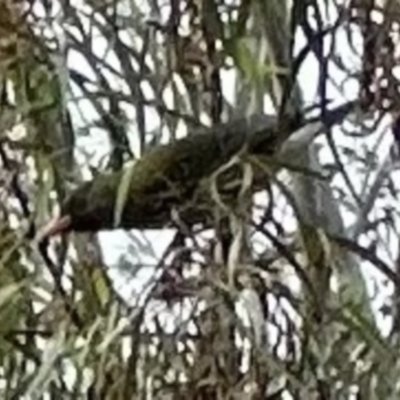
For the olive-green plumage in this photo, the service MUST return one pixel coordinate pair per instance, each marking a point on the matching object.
(168, 177)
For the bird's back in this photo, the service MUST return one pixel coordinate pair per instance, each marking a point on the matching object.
(188, 160)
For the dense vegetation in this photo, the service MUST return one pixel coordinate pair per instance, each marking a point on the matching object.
(292, 296)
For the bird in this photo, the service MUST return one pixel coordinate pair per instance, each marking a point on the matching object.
(173, 177)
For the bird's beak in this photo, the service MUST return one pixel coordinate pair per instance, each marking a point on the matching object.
(55, 226)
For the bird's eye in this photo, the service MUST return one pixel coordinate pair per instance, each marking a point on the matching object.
(74, 204)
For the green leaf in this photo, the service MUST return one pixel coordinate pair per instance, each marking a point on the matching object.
(101, 287)
(122, 194)
(244, 59)
(8, 292)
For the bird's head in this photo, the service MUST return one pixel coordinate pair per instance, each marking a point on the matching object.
(88, 209)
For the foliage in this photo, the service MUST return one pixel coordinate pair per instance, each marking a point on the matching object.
(295, 296)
